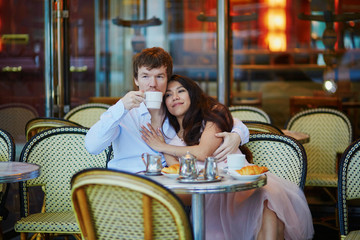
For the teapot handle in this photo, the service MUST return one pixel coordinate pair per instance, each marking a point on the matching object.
(142, 157)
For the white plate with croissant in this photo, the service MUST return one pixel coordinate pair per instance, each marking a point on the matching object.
(248, 173)
(172, 171)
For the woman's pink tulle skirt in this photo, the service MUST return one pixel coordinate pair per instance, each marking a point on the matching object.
(239, 215)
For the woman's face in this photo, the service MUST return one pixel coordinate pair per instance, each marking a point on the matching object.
(177, 99)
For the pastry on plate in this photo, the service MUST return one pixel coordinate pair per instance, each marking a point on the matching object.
(173, 169)
(252, 170)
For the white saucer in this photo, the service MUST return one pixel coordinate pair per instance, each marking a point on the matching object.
(170, 175)
(238, 176)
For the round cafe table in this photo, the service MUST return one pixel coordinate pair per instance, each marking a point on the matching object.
(198, 191)
(18, 171)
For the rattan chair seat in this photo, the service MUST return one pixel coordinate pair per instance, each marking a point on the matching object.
(321, 179)
(353, 235)
(59, 222)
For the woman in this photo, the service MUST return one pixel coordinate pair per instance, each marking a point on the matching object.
(268, 212)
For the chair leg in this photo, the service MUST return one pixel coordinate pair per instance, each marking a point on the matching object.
(333, 198)
(77, 236)
(23, 236)
(1, 233)
(37, 236)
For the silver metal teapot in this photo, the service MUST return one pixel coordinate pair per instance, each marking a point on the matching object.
(188, 168)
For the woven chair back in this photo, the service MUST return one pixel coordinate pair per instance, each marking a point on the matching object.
(330, 133)
(13, 118)
(87, 114)
(7, 153)
(40, 124)
(249, 113)
(7, 146)
(348, 185)
(120, 205)
(61, 153)
(262, 127)
(283, 155)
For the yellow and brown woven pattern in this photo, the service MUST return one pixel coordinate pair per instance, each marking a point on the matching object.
(13, 118)
(282, 155)
(7, 153)
(7, 146)
(61, 153)
(115, 206)
(249, 113)
(52, 222)
(348, 186)
(261, 127)
(353, 235)
(39, 124)
(87, 114)
(330, 133)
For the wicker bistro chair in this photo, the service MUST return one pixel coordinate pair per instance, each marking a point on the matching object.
(330, 133)
(13, 118)
(262, 127)
(348, 187)
(87, 114)
(283, 155)
(39, 124)
(120, 205)
(7, 153)
(61, 153)
(249, 113)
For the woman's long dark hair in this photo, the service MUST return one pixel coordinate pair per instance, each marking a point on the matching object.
(203, 108)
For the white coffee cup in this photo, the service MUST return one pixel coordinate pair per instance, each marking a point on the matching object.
(153, 99)
(236, 161)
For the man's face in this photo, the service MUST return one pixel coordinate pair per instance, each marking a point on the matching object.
(152, 80)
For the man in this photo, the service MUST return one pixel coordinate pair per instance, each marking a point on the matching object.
(120, 125)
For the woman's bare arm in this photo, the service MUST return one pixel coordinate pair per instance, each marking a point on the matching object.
(206, 147)
(170, 160)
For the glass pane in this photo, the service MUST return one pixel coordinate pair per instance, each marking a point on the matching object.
(120, 34)
(21, 63)
(279, 54)
(82, 51)
(173, 25)
(192, 30)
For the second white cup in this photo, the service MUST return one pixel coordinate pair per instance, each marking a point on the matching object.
(236, 161)
(153, 99)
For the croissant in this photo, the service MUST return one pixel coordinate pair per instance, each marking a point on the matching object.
(173, 169)
(252, 170)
